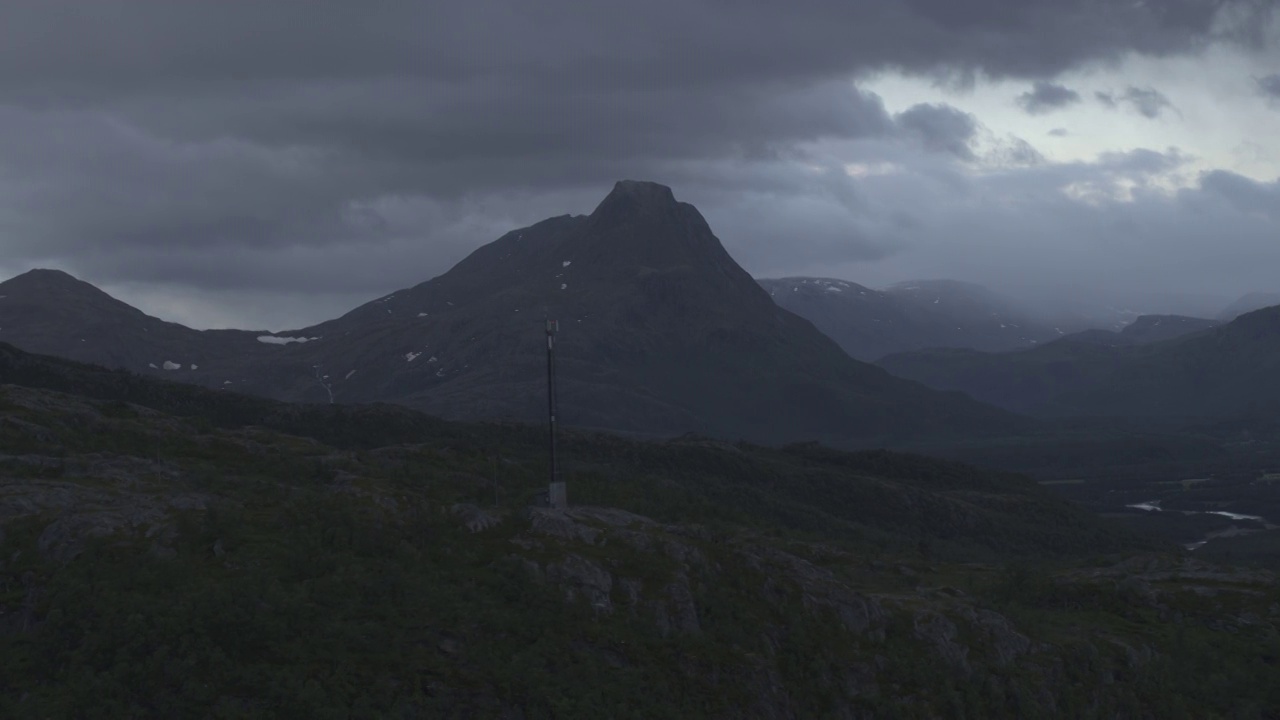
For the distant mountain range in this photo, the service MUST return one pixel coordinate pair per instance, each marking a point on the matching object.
(870, 324)
(1248, 303)
(1160, 368)
(661, 333)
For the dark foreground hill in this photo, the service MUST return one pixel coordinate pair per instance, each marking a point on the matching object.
(169, 551)
(662, 333)
(1228, 372)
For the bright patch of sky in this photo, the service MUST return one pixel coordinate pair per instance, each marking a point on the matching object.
(1216, 114)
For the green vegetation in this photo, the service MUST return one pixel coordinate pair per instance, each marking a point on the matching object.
(172, 552)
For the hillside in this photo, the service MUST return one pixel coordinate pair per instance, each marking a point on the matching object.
(51, 312)
(1222, 373)
(662, 333)
(161, 558)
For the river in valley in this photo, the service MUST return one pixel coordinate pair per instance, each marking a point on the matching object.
(1154, 506)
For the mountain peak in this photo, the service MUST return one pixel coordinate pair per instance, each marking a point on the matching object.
(48, 274)
(642, 191)
(632, 200)
(641, 227)
(42, 280)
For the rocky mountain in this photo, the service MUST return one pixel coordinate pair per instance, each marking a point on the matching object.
(1156, 328)
(1144, 329)
(661, 333)
(870, 324)
(1227, 372)
(1248, 303)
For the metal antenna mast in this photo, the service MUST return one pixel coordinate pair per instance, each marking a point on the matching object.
(552, 327)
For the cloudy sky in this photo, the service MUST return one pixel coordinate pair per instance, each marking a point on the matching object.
(271, 164)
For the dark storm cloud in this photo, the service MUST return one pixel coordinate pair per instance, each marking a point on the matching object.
(108, 183)
(940, 128)
(1148, 102)
(114, 46)
(287, 143)
(1044, 97)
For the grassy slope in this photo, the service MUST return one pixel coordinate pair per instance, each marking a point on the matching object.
(156, 565)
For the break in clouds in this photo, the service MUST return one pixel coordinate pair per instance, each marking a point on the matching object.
(272, 164)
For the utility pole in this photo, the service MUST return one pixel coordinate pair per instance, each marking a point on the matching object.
(552, 327)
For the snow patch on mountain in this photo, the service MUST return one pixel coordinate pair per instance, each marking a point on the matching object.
(273, 340)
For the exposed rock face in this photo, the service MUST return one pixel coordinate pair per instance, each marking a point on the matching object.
(673, 607)
(581, 577)
(941, 632)
(998, 633)
(81, 513)
(474, 518)
(820, 590)
(679, 613)
(560, 524)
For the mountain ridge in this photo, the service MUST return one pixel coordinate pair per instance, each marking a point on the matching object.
(661, 333)
(1219, 373)
(870, 324)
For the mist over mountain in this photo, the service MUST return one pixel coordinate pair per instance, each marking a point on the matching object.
(870, 324)
(661, 332)
(1248, 303)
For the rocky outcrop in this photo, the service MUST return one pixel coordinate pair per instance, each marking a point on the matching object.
(560, 524)
(474, 518)
(676, 611)
(819, 589)
(997, 633)
(582, 578)
(941, 633)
